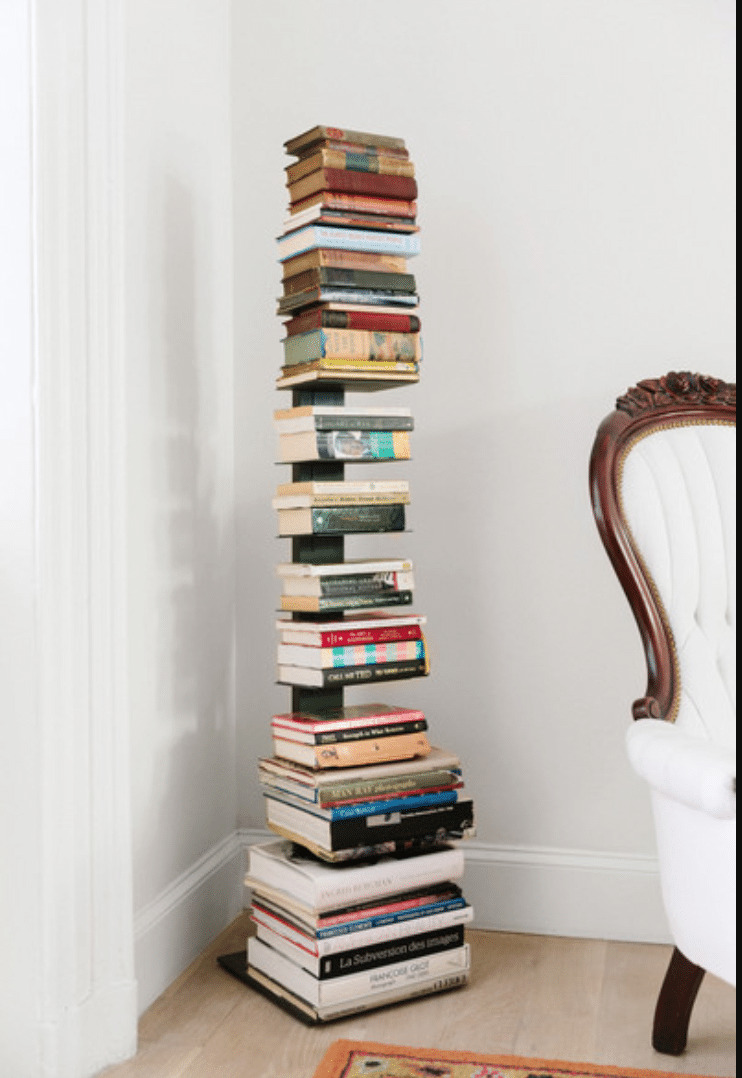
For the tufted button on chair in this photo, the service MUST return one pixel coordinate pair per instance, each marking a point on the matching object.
(663, 489)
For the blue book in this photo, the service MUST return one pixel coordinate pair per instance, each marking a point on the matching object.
(365, 808)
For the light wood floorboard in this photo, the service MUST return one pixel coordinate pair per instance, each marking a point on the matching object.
(579, 1000)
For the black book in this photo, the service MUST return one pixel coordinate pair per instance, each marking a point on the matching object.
(348, 278)
(371, 956)
(341, 519)
(352, 675)
(433, 823)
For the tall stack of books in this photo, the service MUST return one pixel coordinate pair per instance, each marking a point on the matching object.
(357, 903)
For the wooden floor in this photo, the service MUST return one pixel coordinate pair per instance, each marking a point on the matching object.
(579, 1000)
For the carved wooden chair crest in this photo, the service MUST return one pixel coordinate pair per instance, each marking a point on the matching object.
(663, 488)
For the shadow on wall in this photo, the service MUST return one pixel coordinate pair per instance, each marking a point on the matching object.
(189, 792)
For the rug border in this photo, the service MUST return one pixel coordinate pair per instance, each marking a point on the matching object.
(338, 1051)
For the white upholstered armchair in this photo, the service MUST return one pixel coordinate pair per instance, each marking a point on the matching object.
(663, 488)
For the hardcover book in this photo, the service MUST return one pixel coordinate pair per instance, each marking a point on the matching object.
(363, 956)
(300, 420)
(350, 239)
(370, 379)
(347, 218)
(378, 297)
(334, 316)
(352, 675)
(337, 604)
(342, 520)
(352, 181)
(345, 989)
(364, 931)
(358, 161)
(321, 133)
(363, 628)
(436, 770)
(355, 444)
(370, 204)
(341, 276)
(329, 836)
(313, 1016)
(338, 258)
(351, 344)
(353, 753)
(319, 887)
(325, 929)
(354, 655)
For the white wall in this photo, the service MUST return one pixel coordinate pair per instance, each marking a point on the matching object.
(181, 520)
(19, 793)
(576, 201)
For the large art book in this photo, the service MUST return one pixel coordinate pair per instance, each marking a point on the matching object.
(318, 886)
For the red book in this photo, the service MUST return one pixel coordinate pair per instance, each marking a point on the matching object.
(378, 184)
(356, 717)
(326, 318)
(334, 638)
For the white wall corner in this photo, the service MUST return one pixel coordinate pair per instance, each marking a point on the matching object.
(175, 927)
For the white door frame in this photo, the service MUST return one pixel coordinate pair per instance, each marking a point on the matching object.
(87, 988)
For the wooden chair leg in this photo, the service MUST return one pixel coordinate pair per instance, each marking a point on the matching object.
(675, 1003)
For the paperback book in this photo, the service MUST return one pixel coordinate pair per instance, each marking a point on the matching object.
(362, 628)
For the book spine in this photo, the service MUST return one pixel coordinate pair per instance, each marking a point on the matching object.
(336, 604)
(329, 256)
(388, 784)
(351, 344)
(366, 956)
(361, 445)
(366, 422)
(320, 318)
(341, 276)
(387, 878)
(361, 654)
(436, 915)
(345, 637)
(353, 182)
(378, 805)
(300, 144)
(352, 519)
(449, 820)
(366, 584)
(358, 160)
(374, 955)
(359, 733)
(355, 675)
(365, 366)
(351, 239)
(371, 204)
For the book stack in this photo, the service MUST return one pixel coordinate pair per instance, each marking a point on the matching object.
(357, 903)
(348, 295)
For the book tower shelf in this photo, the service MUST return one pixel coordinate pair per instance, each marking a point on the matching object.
(357, 902)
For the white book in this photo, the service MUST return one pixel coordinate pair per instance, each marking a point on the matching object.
(319, 886)
(352, 655)
(348, 239)
(341, 497)
(342, 568)
(333, 1011)
(343, 989)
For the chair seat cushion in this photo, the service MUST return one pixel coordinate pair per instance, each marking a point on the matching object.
(684, 767)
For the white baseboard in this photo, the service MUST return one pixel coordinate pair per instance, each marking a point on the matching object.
(555, 892)
(173, 929)
(548, 892)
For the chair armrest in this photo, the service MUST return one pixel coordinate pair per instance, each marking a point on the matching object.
(687, 769)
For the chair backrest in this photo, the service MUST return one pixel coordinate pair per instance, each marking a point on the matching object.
(663, 489)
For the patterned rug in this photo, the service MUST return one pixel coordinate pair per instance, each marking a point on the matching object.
(365, 1059)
